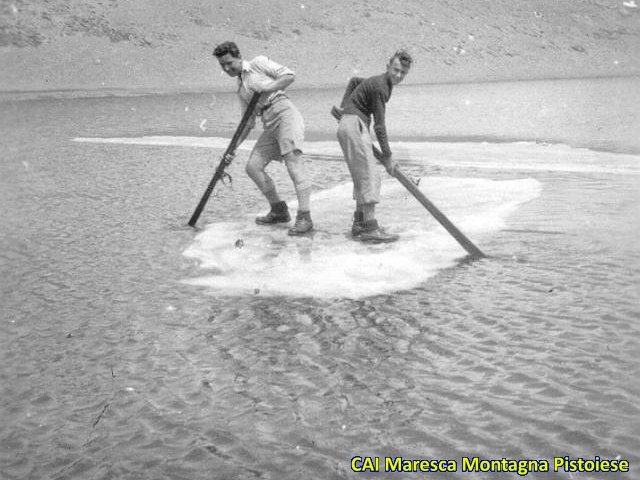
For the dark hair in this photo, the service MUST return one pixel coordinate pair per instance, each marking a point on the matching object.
(403, 56)
(227, 47)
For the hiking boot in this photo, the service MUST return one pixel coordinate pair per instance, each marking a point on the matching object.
(372, 233)
(303, 224)
(358, 224)
(279, 214)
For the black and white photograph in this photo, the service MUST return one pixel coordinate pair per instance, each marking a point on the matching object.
(319, 240)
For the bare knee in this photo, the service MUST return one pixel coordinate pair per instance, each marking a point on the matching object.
(297, 171)
(294, 162)
(294, 156)
(249, 169)
(254, 166)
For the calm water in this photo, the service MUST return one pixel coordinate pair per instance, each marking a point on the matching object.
(114, 367)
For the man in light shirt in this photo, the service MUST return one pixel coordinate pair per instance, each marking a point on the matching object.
(283, 133)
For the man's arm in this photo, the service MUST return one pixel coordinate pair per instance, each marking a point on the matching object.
(379, 126)
(282, 76)
(279, 83)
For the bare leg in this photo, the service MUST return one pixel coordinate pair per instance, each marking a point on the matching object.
(296, 168)
(256, 170)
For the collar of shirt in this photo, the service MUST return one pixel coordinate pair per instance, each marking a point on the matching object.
(246, 67)
(250, 77)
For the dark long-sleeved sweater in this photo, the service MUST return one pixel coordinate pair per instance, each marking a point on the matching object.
(366, 97)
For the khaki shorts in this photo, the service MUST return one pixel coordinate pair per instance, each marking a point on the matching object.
(283, 131)
(355, 140)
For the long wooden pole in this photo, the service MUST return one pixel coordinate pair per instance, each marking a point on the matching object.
(223, 162)
(467, 244)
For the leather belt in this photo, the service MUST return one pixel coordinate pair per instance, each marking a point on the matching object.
(267, 106)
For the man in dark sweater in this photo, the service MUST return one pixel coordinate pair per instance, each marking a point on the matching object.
(363, 99)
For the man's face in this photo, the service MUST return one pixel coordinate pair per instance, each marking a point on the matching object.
(230, 64)
(397, 71)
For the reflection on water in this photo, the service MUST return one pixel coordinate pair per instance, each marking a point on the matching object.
(114, 368)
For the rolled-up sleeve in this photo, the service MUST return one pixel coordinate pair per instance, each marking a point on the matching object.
(270, 68)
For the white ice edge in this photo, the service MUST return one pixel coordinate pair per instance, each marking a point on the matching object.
(330, 264)
(520, 156)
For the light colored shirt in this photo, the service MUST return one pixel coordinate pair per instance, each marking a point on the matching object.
(260, 71)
